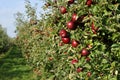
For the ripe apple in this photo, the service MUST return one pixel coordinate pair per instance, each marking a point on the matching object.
(71, 25)
(85, 52)
(89, 2)
(89, 46)
(50, 58)
(79, 70)
(74, 17)
(63, 10)
(74, 61)
(93, 26)
(70, 1)
(65, 52)
(66, 40)
(74, 43)
(63, 33)
(61, 44)
(94, 30)
(88, 74)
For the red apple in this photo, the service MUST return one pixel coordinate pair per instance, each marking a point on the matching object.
(93, 26)
(70, 1)
(65, 52)
(74, 17)
(89, 2)
(50, 58)
(79, 70)
(66, 40)
(94, 30)
(63, 10)
(71, 25)
(61, 44)
(63, 33)
(74, 61)
(85, 52)
(75, 43)
(89, 46)
(88, 74)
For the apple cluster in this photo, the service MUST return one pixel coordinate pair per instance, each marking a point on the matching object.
(72, 25)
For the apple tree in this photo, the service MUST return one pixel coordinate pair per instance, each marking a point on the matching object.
(73, 40)
(5, 40)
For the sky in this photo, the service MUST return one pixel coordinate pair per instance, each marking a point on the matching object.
(8, 9)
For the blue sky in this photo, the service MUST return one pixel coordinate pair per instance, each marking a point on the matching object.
(8, 8)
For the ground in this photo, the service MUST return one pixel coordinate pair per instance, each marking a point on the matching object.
(13, 66)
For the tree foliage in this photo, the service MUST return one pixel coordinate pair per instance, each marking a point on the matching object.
(97, 30)
(4, 40)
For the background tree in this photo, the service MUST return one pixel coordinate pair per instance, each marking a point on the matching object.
(4, 40)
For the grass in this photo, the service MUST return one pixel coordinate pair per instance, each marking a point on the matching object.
(13, 66)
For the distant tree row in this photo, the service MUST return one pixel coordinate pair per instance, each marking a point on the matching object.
(4, 40)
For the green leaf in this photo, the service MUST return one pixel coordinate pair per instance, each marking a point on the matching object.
(87, 66)
(104, 61)
(115, 45)
(95, 9)
(113, 64)
(116, 36)
(51, 77)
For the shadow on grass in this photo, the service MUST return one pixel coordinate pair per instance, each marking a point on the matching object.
(13, 73)
(14, 52)
(13, 66)
(13, 56)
